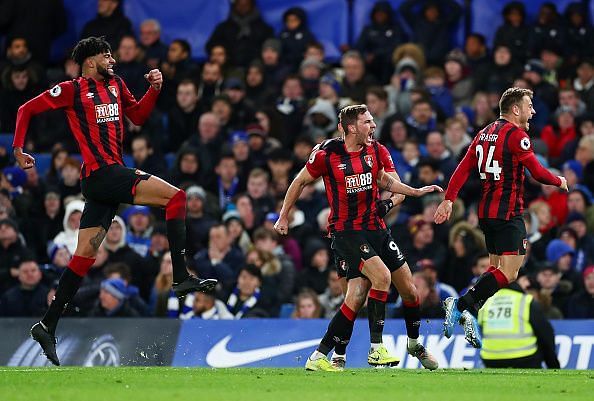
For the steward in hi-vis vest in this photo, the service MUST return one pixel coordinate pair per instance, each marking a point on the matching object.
(516, 334)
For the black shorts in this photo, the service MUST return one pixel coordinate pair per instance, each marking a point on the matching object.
(505, 237)
(104, 189)
(353, 248)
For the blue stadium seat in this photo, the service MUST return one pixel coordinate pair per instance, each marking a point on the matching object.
(42, 162)
(170, 160)
(6, 140)
(286, 310)
(128, 160)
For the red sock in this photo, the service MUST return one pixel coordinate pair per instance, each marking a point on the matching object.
(80, 265)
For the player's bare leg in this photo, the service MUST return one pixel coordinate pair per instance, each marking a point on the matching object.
(340, 328)
(403, 281)
(89, 240)
(157, 192)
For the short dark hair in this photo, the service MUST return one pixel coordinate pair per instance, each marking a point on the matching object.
(145, 138)
(185, 45)
(512, 96)
(349, 115)
(89, 47)
(378, 92)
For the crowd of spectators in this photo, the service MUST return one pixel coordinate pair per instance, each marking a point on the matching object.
(233, 131)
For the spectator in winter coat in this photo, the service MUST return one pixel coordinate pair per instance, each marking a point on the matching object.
(432, 23)
(295, 36)
(514, 33)
(109, 22)
(581, 305)
(29, 297)
(242, 33)
(548, 30)
(129, 67)
(113, 300)
(378, 40)
(155, 51)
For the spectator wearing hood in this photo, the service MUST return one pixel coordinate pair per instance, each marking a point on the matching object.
(432, 23)
(243, 110)
(294, 36)
(143, 273)
(18, 86)
(113, 300)
(29, 297)
(378, 40)
(320, 121)
(187, 169)
(140, 226)
(242, 33)
(109, 22)
(71, 222)
(514, 32)
(458, 79)
(581, 305)
(585, 240)
(41, 228)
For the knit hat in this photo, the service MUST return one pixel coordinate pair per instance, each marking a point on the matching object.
(196, 191)
(136, 209)
(407, 63)
(588, 270)
(456, 55)
(16, 176)
(535, 65)
(416, 223)
(238, 136)
(272, 43)
(575, 216)
(557, 249)
(576, 167)
(331, 80)
(116, 287)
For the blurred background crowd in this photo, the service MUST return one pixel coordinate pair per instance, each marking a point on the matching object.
(233, 128)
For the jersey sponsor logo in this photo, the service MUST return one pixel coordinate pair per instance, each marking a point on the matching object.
(525, 143)
(220, 356)
(107, 112)
(113, 90)
(369, 160)
(358, 182)
(55, 91)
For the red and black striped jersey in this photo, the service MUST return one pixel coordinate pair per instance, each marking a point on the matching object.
(500, 151)
(351, 183)
(95, 111)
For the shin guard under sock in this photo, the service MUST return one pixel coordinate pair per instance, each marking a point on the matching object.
(487, 285)
(339, 331)
(376, 313)
(67, 287)
(412, 318)
(175, 216)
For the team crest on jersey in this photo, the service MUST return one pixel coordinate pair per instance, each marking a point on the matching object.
(55, 91)
(525, 143)
(368, 160)
(113, 90)
(364, 248)
(139, 172)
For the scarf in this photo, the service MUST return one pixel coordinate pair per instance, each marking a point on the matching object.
(247, 305)
(244, 22)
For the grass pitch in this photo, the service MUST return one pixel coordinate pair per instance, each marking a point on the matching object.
(185, 384)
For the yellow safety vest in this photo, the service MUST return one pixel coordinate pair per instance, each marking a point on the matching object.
(506, 329)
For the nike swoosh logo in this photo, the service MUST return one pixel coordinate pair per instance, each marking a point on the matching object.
(220, 357)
